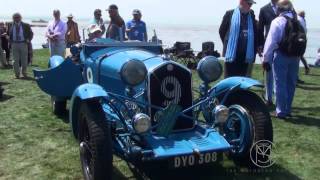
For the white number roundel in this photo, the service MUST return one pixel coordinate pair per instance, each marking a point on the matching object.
(89, 75)
(171, 89)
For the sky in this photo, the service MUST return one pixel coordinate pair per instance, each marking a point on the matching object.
(204, 12)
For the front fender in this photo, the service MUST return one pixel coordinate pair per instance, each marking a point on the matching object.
(89, 91)
(83, 93)
(244, 83)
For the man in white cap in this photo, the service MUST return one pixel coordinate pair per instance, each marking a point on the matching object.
(136, 28)
(72, 36)
(95, 32)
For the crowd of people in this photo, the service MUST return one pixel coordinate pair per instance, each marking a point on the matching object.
(242, 34)
(62, 35)
(16, 37)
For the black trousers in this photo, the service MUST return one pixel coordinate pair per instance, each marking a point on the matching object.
(5, 47)
(235, 68)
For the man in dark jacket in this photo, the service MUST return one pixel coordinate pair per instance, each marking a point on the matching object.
(267, 14)
(117, 27)
(241, 39)
(20, 35)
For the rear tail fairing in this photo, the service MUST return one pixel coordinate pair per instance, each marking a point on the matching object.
(60, 80)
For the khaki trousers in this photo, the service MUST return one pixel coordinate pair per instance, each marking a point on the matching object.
(20, 58)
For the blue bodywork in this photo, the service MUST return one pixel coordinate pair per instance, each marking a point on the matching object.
(95, 75)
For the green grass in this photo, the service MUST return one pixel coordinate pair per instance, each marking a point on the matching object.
(34, 144)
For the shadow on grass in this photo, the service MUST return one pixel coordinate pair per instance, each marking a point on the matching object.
(6, 98)
(305, 120)
(4, 83)
(216, 172)
(309, 121)
(27, 78)
(308, 88)
(313, 74)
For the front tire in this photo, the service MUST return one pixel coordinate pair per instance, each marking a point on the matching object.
(259, 126)
(95, 142)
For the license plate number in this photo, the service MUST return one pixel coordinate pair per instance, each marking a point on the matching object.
(192, 160)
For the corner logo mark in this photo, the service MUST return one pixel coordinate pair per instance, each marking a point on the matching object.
(260, 154)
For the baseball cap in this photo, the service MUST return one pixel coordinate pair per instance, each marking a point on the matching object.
(70, 16)
(251, 1)
(112, 7)
(94, 28)
(136, 11)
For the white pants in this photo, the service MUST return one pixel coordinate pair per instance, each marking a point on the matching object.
(57, 48)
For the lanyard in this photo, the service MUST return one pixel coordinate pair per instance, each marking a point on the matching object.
(54, 27)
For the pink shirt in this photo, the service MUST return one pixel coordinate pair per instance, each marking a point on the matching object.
(58, 28)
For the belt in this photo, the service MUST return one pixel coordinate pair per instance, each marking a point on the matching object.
(18, 42)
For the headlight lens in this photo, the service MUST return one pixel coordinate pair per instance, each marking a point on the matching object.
(209, 69)
(141, 123)
(133, 72)
(221, 113)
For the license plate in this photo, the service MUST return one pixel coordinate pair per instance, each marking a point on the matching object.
(193, 160)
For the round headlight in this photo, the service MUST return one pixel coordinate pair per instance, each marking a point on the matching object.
(221, 113)
(141, 123)
(209, 69)
(133, 72)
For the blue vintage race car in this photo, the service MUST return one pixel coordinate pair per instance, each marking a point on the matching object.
(131, 100)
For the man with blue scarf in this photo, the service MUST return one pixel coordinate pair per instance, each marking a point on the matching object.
(240, 38)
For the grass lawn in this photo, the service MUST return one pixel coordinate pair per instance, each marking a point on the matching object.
(34, 144)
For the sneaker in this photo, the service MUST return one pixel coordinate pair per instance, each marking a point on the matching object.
(281, 117)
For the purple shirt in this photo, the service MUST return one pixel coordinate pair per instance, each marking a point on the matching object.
(275, 36)
(57, 28)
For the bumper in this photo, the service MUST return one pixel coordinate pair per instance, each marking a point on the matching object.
(196, 141)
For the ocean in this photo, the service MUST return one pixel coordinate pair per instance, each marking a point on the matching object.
(196, 34)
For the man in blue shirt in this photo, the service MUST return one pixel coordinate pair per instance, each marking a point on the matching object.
(136, 29)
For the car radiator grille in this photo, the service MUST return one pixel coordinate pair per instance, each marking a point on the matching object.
(171, 84)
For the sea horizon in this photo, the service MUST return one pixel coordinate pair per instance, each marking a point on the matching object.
(172, 32)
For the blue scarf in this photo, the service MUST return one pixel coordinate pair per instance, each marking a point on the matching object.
(234, 36)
